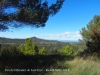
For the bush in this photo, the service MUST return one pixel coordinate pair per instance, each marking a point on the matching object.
(11, 50)
(29, 48)
(42, 51)
(66, 51)
(91, 35)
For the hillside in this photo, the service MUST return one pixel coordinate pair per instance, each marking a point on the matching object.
(36, 40)
(48, 44)
(4, 40)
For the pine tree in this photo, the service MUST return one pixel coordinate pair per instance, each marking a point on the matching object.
(29, 48)
(34, 13)
(66, 50)
(42, 51)
(91, 35)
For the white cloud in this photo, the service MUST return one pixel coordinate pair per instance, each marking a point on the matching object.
(57, 36)
(63, 36)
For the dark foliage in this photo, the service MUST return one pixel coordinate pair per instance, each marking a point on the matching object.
(91, 36)
(94, 45)
(12, 58)
(30, 62)
(33, 13)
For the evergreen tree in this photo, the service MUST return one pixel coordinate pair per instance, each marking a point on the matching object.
(42, 51)
(91, 35)
(66, 50)
(29, 48)
(33, 13)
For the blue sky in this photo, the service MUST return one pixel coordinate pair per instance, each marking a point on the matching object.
(65, 25)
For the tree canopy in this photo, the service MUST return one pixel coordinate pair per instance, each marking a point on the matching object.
(91, 35)
(29, 48)
(66, 50)
(33, 13)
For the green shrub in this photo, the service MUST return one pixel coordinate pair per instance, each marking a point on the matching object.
(91, 36)
(66, 51)
(11, 50)
(42, 51)
(29, 48)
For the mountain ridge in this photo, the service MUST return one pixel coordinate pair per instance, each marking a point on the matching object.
(18, 40)
(34, 40)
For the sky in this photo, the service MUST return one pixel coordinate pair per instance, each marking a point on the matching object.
(65, 25)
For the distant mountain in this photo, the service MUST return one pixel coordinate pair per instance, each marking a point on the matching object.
(9, 40)
(22, 41)
(48, 44)
(35, 40)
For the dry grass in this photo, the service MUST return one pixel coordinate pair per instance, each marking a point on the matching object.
(80, 66)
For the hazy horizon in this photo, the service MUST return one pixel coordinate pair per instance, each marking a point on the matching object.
(45, 39)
